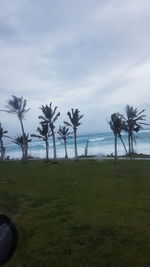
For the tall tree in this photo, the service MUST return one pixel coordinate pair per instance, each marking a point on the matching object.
(50, 116)
(133, 124)
(17, 106)
(22, 141)
(2, 148)
(44, 134)
(117, 125)
(64, 134)
(74, 117)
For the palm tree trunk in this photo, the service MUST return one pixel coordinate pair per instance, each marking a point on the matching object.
(132, 149)
(22, 152)
(54, 144)
(75, 143)
(66, 155)
(47, 150)
(123, 144)
(3, 153)
(129, 142)
(24, 149)
(1, 148)
(115, 147)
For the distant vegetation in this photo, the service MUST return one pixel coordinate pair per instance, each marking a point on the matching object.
(131, 123)
(17, 106)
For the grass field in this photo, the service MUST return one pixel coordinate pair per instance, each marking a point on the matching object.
(73, 214)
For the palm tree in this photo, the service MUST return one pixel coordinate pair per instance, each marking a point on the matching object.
(44, 134)
(17, 106)
(133, 123)
(117, 125)
(2, 148)
(50, 116)
(74, 118)
(22, 140)
(64, 133)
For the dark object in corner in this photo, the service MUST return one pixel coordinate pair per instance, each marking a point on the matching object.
(8, 238)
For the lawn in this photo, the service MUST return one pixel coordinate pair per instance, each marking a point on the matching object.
(78, 213)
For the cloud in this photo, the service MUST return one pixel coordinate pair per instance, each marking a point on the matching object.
(93, 55)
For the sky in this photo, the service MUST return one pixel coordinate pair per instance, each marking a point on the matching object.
(91, 55)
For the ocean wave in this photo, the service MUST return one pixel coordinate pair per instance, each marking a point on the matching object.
(98, 143)
(97, 139)
(145, 131)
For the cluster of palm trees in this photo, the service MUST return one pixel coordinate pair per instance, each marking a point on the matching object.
(17, 106)
(131, 123)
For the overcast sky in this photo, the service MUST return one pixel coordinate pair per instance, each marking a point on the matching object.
(93, 55)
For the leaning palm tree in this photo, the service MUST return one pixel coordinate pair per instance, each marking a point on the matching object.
(44, 134)
(64, 134)
(2, 148)
(17, 106)
(22, 140)
(133, 124)
(117, 125)
(120, 136)
(50, 116)
(74, 118)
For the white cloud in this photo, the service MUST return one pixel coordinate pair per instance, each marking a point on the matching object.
(93, 55)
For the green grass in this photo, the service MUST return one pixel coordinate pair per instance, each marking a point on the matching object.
(75, 214)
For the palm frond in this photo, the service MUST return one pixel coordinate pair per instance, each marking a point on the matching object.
(116, 123)
(49, 115)
(35, 135)
(64, 132)
(67, 123)
(17, 106)
(134, 119)
(56, 117)
(74, 118)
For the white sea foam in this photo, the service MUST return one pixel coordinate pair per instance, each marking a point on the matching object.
(97, 139)
(145, 131)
